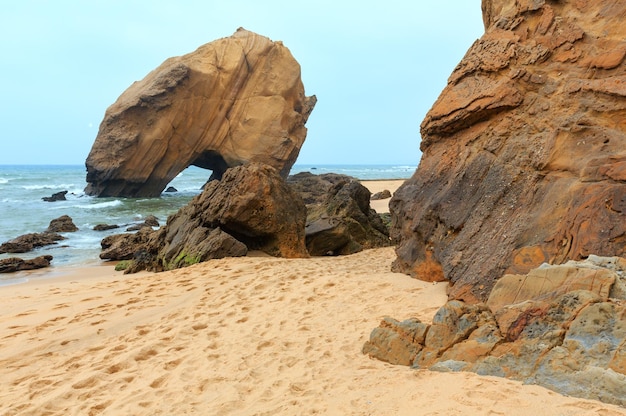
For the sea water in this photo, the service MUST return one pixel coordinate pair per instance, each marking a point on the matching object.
(22, 209)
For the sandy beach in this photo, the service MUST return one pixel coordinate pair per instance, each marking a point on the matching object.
(246, 336)
(239, 336)
(382, 205)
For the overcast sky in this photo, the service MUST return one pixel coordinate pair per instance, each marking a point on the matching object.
(375, 66)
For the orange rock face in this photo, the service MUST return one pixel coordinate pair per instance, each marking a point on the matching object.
(524, 152)
(233, 101)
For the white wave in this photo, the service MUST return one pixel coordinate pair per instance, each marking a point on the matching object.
(99, 205)
(4, 180)
(48, 186)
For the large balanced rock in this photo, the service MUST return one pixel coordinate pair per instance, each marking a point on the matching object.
(235, 100)
(524, 152)
(563, 327)
(339, 217)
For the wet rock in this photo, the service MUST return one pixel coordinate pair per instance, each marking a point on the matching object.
(339, 217)
(63, 224)
(16, 264)
(105, 227)
(28, 242)
(59, 196)
(150, 221)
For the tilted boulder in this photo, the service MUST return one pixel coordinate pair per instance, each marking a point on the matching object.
(250, 208)
(557, 326)
(233, 101)
(524, 151)
(339, 217)
(253, 204)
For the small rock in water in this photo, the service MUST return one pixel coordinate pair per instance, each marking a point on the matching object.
(59, 196)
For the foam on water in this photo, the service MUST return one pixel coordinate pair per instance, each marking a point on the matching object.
(100, 205)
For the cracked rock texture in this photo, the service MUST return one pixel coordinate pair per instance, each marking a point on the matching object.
(524, 152)
(562, 327)
(233, 101)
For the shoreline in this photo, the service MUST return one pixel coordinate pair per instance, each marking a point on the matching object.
(249, 335)
(52, 272)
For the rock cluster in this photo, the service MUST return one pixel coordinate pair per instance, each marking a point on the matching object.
(524, 152)
(253, 208)
(236, 100)
(28, 242)
(563, 327)
(250, 208)
(339, 217)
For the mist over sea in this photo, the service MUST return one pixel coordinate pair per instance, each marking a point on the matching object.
(22, 209)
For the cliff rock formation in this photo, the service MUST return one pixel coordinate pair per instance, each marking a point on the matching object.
(235, 100)
(524, 152)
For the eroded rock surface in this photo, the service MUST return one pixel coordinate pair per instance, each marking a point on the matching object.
(340, 220)
(63, 224)
(524, 152)
(233, 101)
(563, 327)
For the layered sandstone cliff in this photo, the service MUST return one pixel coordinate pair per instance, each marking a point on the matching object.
(524, 152)
(233, 101)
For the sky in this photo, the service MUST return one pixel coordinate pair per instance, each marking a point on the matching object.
(376, 67)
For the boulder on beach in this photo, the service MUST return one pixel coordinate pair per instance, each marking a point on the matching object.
(16, 264)
(339, 217)
(233, 101)
(250, 208)
(524, 151)
(30, 241)
(384, 194)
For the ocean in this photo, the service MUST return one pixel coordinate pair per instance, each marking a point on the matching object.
(22, 209)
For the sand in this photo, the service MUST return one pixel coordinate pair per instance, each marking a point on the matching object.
(382, 206)
(244, 336)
